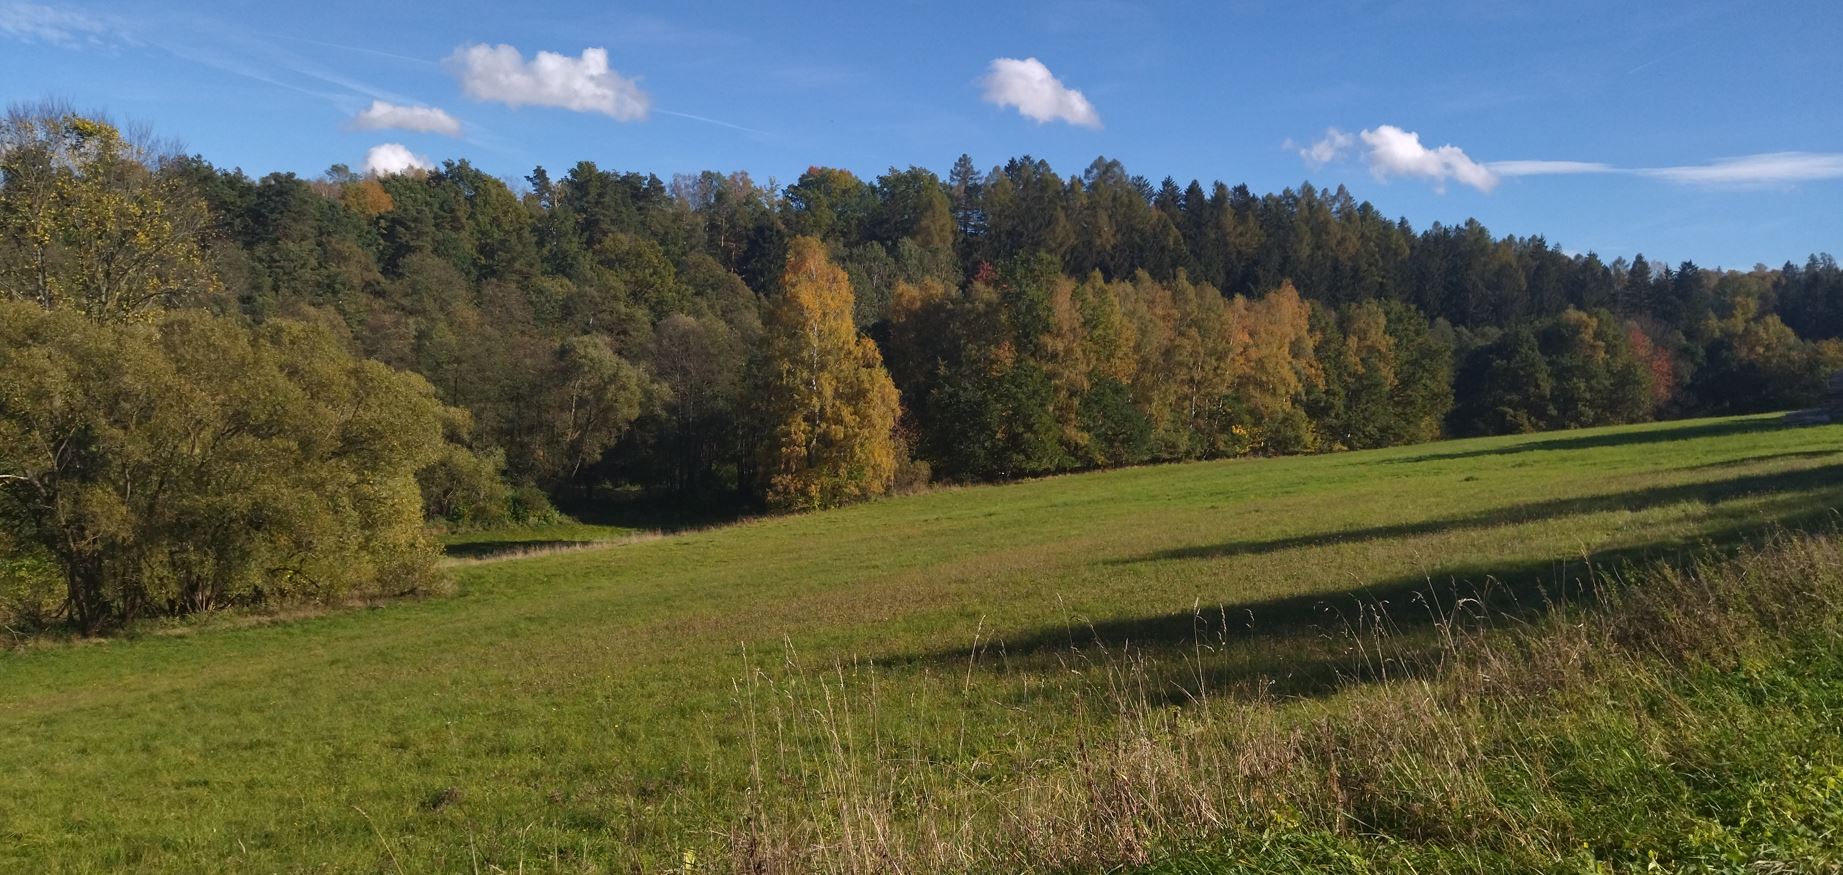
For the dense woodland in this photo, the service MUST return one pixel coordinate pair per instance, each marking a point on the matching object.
(217, 390)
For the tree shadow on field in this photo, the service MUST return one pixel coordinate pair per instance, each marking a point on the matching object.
(1619, 438)
(1712, 492)
(1787, 456)
(639, 511)
(487, 549)
(1316, 644)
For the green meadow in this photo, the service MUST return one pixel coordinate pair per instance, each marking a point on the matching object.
(621, 703)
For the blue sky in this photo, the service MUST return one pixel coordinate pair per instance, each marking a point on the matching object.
(1703, 130)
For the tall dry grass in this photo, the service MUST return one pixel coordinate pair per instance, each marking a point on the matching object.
(1476, 745)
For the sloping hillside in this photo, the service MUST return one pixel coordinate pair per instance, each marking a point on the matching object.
(596, 709)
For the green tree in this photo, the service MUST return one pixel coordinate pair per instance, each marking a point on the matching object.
(185, 463)
(830, 204)
(583, 402)
(912, 204)
(1423, 392)
(1598, 379)
(699, 363)
(1505, 387)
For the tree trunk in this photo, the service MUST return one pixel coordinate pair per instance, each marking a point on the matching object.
(84, 581)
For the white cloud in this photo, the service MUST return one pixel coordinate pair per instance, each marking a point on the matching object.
(386, 159)
(1770, 168)
(1395, 152)
(1548, 168)
(586, 84)
(1391, 151)
(383, 115)
(1037, 94)
(37, 23)
(1334, 145)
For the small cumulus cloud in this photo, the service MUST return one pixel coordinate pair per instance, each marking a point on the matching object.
(1036, 93)
(581, 84)
(1394, 152)
(1333, 146)
(1391, 152)
(382, 115)
(386, 159)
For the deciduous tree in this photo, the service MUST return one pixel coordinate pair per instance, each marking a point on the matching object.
(828, 407)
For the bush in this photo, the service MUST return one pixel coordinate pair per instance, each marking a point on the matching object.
(188, 463)
(527, 505)
(30, 590)
(464, 488)
(912, 475)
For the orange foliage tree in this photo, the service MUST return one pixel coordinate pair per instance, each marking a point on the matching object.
(829, 409)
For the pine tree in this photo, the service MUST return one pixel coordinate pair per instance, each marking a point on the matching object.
(1635, 293)
(965, 184)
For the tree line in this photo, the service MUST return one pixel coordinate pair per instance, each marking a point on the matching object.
(477, 350)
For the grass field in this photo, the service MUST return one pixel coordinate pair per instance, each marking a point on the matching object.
(616, 707)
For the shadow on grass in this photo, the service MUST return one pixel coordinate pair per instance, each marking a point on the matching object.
(1707, 491)
(638, 511)
(1749, 461)
(1622, 438)
(484, 549)
(631, 513)
(1317, 644)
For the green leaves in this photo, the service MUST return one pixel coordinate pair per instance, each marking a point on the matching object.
(189, 463)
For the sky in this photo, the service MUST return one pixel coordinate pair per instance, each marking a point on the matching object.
(1708, 131)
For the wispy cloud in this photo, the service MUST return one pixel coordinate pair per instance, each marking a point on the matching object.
(583, 84)
(366, 51)
(1548, 168)
(237, 66)
(1029, 86)
(1391, 152)
(648, 30)
(710, 121)
(51, 25)
(383, 115)
(1681, 48)
(261, 58)
(386, 159)
(1769, 168)
(1764, 169)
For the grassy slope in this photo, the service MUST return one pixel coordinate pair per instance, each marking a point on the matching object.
(579, 707)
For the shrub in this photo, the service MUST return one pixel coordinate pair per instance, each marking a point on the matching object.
(30, 590)
(464, 488)
(528, 506)
(187, 463)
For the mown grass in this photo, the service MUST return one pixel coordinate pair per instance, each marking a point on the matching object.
(620, 706)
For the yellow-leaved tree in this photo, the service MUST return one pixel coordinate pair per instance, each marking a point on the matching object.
(89, 221)
(828, 407)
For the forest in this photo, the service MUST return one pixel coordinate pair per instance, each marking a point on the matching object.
(220, 390)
